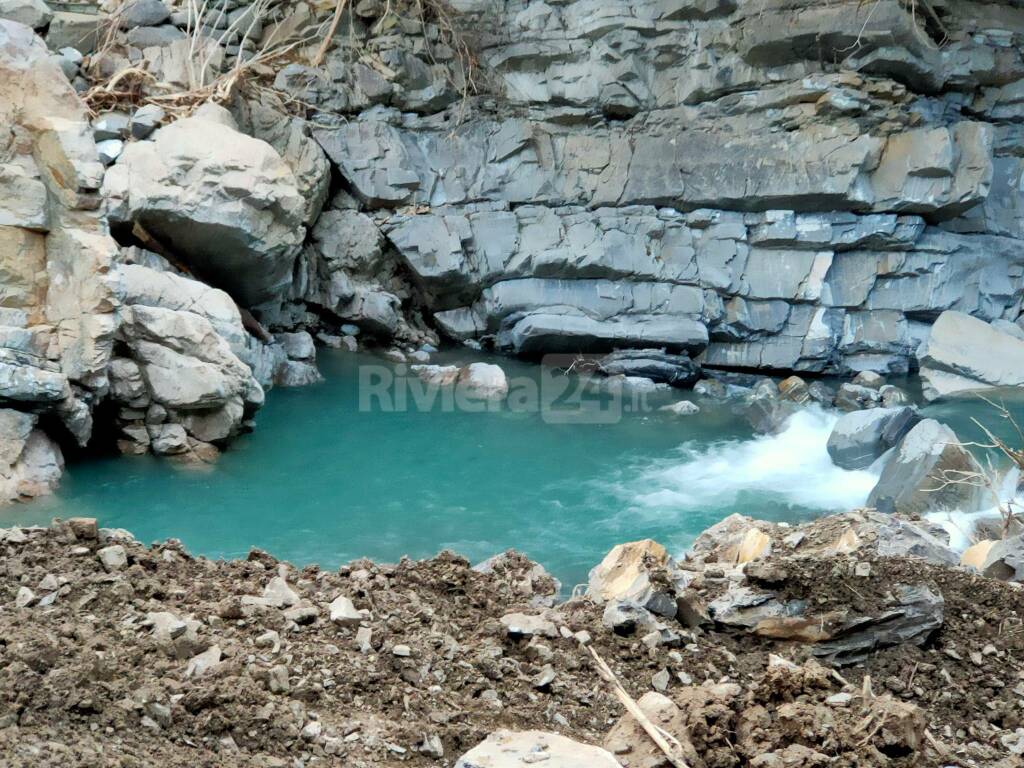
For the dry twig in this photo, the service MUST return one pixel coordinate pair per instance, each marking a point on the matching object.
(666, 742)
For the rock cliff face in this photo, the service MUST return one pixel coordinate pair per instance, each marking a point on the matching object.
(771, 185)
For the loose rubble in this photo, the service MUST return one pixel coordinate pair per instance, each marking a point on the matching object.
(182, 661)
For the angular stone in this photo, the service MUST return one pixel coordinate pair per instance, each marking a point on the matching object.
(920, 475)
(239, 223)
(964, 354)
(860, 437)
(32, 13)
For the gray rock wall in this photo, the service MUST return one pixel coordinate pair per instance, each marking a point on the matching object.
(786, 186)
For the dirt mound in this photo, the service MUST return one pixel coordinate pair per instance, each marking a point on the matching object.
(115, 654)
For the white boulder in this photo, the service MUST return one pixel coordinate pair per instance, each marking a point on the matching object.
(226, 202)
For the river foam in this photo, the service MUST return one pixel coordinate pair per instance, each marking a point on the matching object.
(792, 467)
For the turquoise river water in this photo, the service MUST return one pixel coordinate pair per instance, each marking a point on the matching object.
(345, 469)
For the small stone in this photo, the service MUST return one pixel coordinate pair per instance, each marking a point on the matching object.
(113, 125)
(269, 639)
(277, 679)
(364, 637)
(839, 699)
(113, 558)
(143, 13)
(84, 528)
(304, 612)
(278, 594)
(682, 408)
(862, 569)
(344, 613)
(24, 598)
(869, 379)
(201, 663)
(543, 679)
(311, 731)
(526, 625)
(661, 680)
(402, 651)
(145, 120)
(431, 746)
(49, 583)
(109, 150)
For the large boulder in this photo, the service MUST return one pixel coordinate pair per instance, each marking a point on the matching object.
(929, 471)
(964, 354)
(860, 437)
(224, 202)
(513, 749)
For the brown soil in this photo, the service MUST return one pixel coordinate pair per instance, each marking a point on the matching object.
(84, 681)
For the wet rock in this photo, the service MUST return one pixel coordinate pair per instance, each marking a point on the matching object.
(768, 414)
(919, 475)
(821, 393)
(654, 364)
(976, 554)
(437, 375)
(511, 749)
(795, 389)
(964, 354)
(854, 397)
(869, 379)
(860, 437)
(893, 397)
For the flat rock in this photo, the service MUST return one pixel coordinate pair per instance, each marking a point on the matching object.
(512, 749)
(916, 476)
